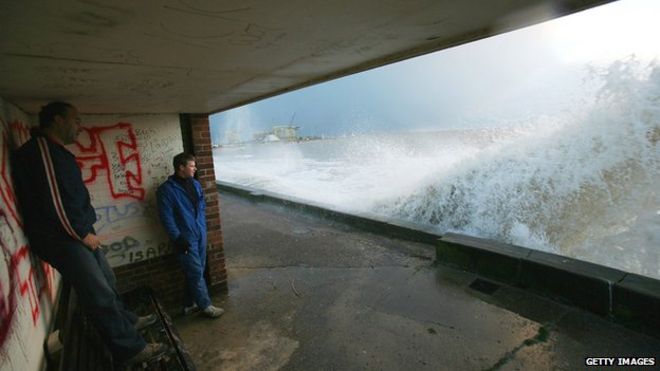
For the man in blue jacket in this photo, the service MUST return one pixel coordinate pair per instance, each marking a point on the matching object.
(181, 208)
(59, 222)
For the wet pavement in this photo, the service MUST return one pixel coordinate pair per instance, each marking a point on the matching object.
(311, 294)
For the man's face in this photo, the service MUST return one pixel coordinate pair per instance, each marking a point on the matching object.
(69, 126)
(189, 170)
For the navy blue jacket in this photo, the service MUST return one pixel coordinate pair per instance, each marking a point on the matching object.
(178, 214)
(52, 196)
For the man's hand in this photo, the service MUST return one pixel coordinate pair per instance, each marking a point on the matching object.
(182, 245)
(92, 241)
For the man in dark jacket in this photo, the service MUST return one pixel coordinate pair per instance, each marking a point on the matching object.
(58, 219)
(181, 208)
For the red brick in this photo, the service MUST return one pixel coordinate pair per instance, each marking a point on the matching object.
(201, 144)
(202, 151)
(203, 162)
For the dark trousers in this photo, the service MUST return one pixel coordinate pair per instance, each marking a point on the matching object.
(193, 264)
(93, 280)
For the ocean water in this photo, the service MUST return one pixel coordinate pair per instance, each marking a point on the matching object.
(582, 184)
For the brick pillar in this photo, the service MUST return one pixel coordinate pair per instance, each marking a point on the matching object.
(200, 136)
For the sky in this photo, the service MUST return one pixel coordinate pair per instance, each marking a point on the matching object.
(494, 82)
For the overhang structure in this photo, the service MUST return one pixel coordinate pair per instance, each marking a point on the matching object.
(172, 56)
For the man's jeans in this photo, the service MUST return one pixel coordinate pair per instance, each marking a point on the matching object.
(193, 264)
(92, 278)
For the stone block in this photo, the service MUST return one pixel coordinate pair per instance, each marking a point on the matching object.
(577, 282)
(636, 303)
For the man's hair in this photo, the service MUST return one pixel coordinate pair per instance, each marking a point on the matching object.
(52, 109)
(182, 160)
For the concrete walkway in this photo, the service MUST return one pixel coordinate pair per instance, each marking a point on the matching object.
(308, 294)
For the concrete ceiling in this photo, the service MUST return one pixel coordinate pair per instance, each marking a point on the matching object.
(171, 56)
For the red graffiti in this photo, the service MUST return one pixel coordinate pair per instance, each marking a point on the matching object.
(7, 301)
(26, 283)
(47, 280)
(28, 277)
(33, 278)
(20, 133)
(113, 151)
(6, 186)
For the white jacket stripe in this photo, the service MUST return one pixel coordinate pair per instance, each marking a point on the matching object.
(54, 190)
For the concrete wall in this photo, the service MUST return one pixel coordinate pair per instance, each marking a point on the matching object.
(28, 287)
(123, 160)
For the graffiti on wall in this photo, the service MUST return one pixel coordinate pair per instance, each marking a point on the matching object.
(122, 163)
(19, 133)
(130, 250)
(24, 279)
(28, 279)
(122, 227)
(13, 136)
(113, 152)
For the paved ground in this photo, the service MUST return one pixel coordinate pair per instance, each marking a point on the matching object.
(308, 294)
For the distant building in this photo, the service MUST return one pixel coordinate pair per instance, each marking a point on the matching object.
(286, 133)
(260, 136)
(271, 138)
(232, 137)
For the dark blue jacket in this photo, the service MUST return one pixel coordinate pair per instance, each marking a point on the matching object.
(178, 214)
(53, 199)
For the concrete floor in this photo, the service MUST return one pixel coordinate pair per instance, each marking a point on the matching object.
(309, 294)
